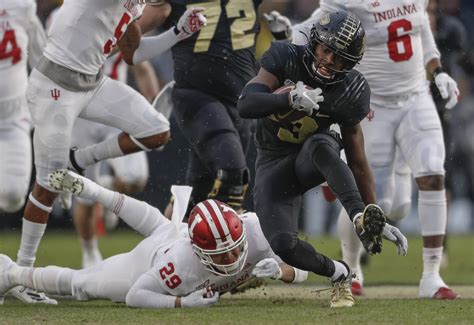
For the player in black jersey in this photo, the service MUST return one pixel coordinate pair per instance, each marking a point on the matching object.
(211, 68)
(296, 149)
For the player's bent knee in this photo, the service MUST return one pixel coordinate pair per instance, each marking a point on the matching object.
(12, 202)
(154, 141)
(230, 187)
(399, 212)
(283, 243)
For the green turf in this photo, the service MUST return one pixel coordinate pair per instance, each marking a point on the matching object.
(62, 248)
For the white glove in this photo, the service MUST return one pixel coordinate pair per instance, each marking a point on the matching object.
(200, 298)
(190, 22)
(394, 235)
(267, 268)
(279, 25)
(448, 88)
(304, 99)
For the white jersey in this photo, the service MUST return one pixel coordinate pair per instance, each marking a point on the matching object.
(85, 32)
(180, 272)
(114, 67)
(21, 37)
(399, 42)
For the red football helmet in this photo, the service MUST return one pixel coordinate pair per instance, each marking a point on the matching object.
(215, 228)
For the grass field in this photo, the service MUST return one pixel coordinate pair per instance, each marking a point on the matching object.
(390, 291)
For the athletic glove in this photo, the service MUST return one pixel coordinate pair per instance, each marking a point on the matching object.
(190, 22)
(448, 88)
(200, 298)
(304, 99)
(280, 26)
(267, 268)
(394, 235)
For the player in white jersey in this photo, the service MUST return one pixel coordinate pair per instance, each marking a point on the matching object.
(67, 83)
(127, 174)
(400, 50)
(176, 265)
(22, 40)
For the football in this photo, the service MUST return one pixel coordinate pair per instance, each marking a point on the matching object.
(292, 114)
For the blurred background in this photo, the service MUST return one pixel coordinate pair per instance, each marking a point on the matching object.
(168, 166)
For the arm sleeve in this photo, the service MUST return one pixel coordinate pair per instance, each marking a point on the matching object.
(146, 292)
(257, 101)
(430, 50)
(152, 46)
(36, 39)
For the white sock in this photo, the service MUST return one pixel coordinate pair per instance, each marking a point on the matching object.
(31, 234)
(350, 244)
(432, 211)
(89, 246)
(51, 279)
(340, 270)
(106, 149)
(432, 260)
(137, 214)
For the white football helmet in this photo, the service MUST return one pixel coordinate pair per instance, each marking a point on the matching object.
(215, 228)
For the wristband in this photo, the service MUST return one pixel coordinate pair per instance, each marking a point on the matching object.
(300, 275)
(437, 71)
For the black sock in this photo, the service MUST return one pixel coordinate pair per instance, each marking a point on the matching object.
(303, 256)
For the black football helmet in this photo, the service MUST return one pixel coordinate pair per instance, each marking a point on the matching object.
(342, 33)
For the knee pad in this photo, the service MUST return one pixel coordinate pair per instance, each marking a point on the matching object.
(432, 212)
(11, 202)
(283, 244)
(230, 187)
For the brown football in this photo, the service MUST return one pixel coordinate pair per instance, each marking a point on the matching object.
(292, 114)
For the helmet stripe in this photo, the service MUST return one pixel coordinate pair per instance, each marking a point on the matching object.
(210, 221)
(221, 221)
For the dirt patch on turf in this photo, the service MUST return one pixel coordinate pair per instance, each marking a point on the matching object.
(371, 292)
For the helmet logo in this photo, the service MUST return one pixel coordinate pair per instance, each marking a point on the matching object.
(325, 19)
(347, 32)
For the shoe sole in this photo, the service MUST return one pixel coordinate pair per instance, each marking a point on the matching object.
(374, 222)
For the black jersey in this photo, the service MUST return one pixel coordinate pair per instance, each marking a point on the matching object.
(219, 59)
(345, 103)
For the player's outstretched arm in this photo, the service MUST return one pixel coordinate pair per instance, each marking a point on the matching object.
(146, 292)
(139, 215)
(190, 22)
(270, 268)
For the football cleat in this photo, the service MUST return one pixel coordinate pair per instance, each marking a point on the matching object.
(356, 288)
(369, 227)
(432, 286)
(65, 180)
(73, 165)
(6, 265)
(30, 296)
(445, 293)
(341, 295)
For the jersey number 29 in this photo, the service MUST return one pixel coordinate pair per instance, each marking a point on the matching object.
(172, 280)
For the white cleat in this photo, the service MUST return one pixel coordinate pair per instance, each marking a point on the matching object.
(30, 296)
(66, 181)
(432, 286)
(6, 264)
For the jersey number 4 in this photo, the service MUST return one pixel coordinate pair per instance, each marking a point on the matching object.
(9, 48)
(171, 280)
(399, 46)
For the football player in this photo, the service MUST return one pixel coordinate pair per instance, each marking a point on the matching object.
(210, 69)
(127, 174)
(297, 151)
(68, 83)
(400, 51)
(22, 40)
(176, 265)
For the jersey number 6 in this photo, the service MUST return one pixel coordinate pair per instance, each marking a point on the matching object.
(394, 40)
(172, 280)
